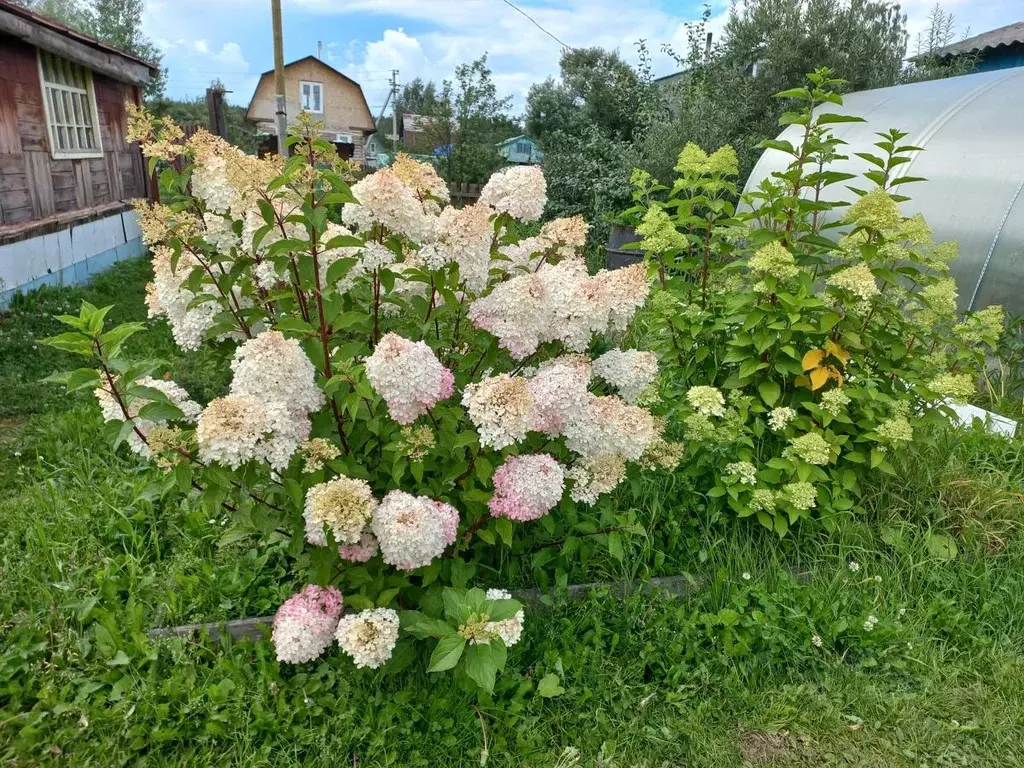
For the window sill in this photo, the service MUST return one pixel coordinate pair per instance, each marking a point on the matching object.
(77, 155)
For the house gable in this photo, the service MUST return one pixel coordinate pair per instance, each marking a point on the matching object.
(344, 107)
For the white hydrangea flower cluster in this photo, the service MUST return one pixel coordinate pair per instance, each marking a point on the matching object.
(779, 418)
(509, 630)
(408, 376)
(385, 199)
(231, 430)
(111, 409)
(266, 414)
(277, 371)
(520, 191)
(305, 623)
(413, 530)
(165, 297)
(560, 302)
(560, 394)
(613, 426)
(744, 471)
(629, 371)
(369, 636)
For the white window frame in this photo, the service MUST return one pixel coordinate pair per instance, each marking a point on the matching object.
(312, 84)
(71, 96)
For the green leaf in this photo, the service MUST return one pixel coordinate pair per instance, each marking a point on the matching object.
(769, 391)
(615, 545)
(550, 686)
(941, 546)
(447, 653)
(481, 664)
(71, 342)
(161, 412)
(503, 527)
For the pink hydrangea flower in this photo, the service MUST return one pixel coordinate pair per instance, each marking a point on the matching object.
(527, 487)
(304, 624)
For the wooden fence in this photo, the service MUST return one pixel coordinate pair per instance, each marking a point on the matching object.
(463, 193)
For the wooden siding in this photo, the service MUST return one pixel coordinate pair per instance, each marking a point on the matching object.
(345, 109)
(33, 185)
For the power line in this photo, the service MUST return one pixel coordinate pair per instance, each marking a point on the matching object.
(537, 24)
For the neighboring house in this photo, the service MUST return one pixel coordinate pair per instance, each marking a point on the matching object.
(1001, 48)
(65, 167)
(521, 150)
(314, 87)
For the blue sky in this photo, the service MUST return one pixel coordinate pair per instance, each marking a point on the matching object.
(231, 39)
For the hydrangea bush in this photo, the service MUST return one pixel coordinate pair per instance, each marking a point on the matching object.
(799, 350)
(411, 385)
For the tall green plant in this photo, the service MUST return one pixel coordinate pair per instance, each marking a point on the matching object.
(798, 356)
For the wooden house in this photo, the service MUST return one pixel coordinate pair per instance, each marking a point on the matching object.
(521, 150)
(321, 90)
(66, 170)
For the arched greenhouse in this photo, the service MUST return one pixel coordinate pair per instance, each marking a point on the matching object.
(972, 131)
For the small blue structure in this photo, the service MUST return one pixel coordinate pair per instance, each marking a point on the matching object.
(521, 150)
(1001, 48)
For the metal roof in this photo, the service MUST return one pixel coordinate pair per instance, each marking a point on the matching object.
(986, 41)
(972, 131)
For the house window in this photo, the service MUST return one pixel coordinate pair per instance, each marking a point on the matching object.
(523, 148)
(311, 96)
(70, 105)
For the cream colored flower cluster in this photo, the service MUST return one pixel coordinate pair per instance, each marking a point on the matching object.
(605, 432)
(344, 506)
(266, 414)
(560, 302)
(369, 636)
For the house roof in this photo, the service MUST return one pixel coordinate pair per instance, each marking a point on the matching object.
(63, 30)
(987, 41)
(514, 138)
(326, 66)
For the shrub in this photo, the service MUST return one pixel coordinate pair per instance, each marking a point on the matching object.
(407, 380)
(829, 352)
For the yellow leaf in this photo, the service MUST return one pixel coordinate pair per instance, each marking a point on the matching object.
(839, 378)
(813, 359)
(818, 377)
(837, 352)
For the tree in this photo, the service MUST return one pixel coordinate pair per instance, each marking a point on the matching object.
(597, 88)
(115, 22)
(466, 120)
(926, 63)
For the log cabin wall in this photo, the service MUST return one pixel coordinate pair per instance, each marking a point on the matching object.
(34, 185)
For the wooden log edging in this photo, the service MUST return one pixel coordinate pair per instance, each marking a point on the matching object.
(240, 629)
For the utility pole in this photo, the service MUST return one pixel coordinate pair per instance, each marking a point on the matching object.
(282, 112)
(394, 111)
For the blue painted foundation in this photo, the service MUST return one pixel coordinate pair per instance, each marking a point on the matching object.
(81, 271)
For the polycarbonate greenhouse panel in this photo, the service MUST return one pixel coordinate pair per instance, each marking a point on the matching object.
(972, 131)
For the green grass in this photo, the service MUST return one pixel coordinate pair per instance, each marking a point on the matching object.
(724, 676)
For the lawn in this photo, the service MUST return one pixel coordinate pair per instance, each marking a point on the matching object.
(918, 604)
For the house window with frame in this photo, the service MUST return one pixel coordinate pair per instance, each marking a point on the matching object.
(69, 102)
(311, 97)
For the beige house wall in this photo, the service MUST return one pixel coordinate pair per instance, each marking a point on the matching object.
(345, 109)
